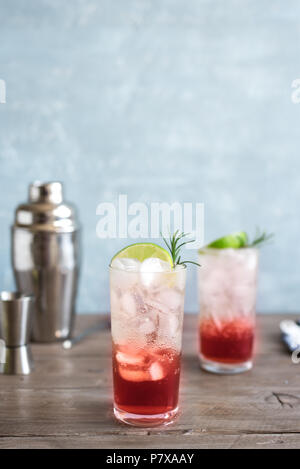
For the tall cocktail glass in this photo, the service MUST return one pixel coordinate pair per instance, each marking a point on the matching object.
(146, 322)
(227, 294)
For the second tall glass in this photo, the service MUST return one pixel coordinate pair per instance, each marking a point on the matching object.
(146, 321)
(227, 293)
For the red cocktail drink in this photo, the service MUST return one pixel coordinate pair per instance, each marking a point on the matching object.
(230, 342)
(146, 319)
(146, 381)
(227, 291)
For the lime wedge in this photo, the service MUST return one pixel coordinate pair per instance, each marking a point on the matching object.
(233, 240)
(142, 251)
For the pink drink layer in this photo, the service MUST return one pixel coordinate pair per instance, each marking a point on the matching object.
(229, 341)
(146, 380)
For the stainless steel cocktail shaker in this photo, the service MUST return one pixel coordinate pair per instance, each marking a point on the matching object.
(46, 257)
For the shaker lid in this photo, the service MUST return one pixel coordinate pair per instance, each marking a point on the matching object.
(51, 192)
(46, 210)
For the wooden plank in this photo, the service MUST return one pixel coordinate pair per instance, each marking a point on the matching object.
(66, 402)
(136, 440)
(211, 441)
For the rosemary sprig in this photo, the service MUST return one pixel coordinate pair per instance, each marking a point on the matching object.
(175, 244)
(261, 237)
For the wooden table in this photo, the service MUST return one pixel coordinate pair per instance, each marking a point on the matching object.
(66, 401)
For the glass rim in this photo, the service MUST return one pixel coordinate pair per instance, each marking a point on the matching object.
(182, 267)
(220, 250)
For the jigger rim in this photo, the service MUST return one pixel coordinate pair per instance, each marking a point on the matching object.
(14, 296)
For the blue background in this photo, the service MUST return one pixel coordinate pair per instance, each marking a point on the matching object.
(163, 100)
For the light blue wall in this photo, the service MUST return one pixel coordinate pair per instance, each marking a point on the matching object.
(162, 100)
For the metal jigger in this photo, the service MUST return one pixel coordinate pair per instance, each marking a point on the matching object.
(15, 328)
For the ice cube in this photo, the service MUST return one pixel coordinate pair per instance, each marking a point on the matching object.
(150, 268)
(154, 264)
(244, 298)
(134, 375)
(168, 326)
(125, 274)
(147, 326)
(157, 306)
(246, 259)
(128, 304)
(156, 372)
(174, 324)
(180, 277)
(125, 359)
(122, 280)
(115, 306)
(132, 265)
(120, 334)
(172, 298)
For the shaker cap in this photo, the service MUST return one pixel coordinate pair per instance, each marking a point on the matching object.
(46, 209)
(51, 192)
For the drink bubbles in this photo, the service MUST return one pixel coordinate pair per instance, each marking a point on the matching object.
(147, 302)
